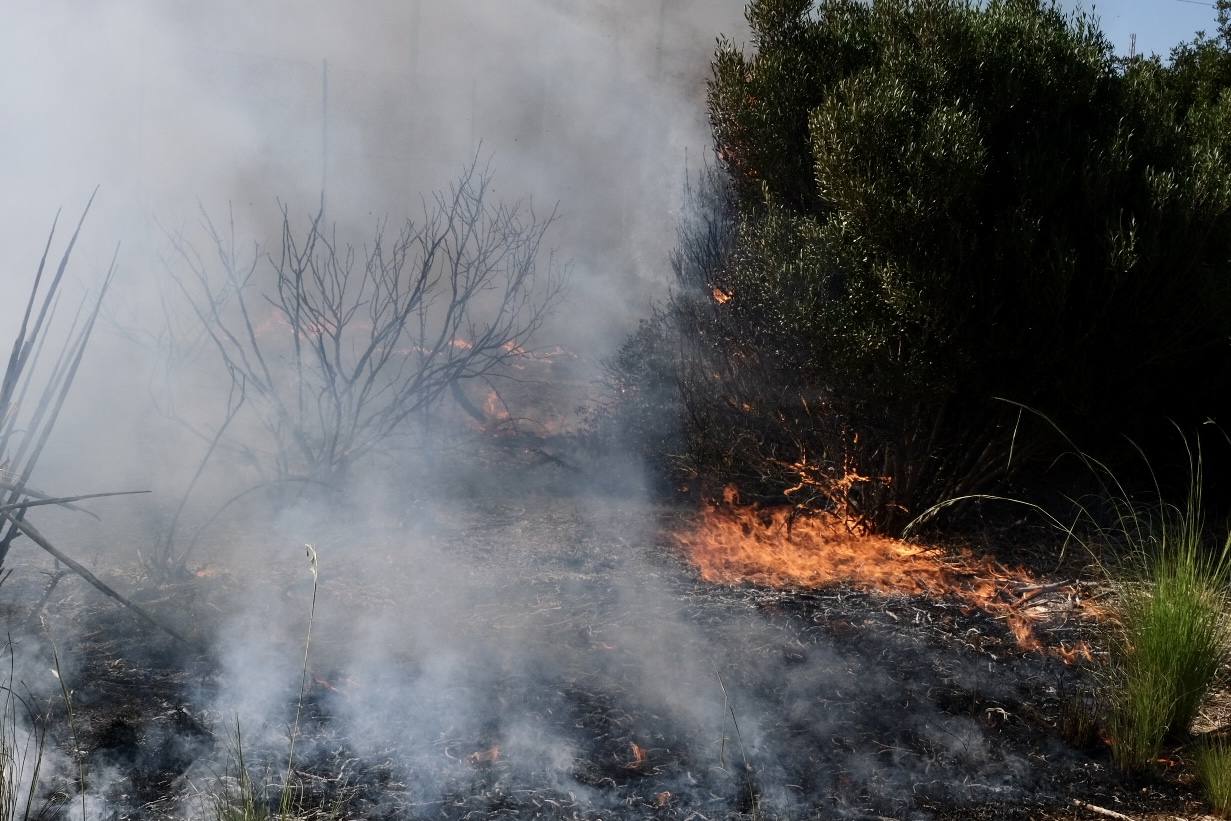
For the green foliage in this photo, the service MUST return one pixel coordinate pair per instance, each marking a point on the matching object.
(1214, 771)
(1173, 635)
(936, 203)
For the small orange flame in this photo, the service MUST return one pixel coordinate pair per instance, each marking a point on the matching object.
(495, 408)
(639, 756)
(489, 756)
(721, 296)
(1071, 654)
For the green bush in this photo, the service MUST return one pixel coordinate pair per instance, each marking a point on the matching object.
(925, 205)
(1173, 635)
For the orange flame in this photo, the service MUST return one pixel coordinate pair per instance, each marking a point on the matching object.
(494, 407)
(639, 756)
(780, 547)
(489, 756)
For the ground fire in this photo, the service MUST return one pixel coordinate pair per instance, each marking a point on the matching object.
(781, 546)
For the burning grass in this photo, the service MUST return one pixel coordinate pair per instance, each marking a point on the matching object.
(781, 547)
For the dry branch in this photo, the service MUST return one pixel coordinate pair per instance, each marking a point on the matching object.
(372, 335)
(1103, 811)
(35, 536)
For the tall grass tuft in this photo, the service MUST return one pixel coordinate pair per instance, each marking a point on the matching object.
(1213, 761)
(21, 754)
(1173, 633)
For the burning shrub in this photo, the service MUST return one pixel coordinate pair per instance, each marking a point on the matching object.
(929, 205)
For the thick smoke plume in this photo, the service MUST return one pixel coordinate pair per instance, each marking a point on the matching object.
(479, 634)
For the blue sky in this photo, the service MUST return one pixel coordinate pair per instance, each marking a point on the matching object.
(1159, 24)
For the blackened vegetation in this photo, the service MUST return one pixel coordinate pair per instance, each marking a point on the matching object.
(921, 208)
(630, 691)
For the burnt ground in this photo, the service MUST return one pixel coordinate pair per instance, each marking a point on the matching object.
(553, 657)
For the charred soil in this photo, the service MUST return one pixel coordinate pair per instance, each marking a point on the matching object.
(584, 669)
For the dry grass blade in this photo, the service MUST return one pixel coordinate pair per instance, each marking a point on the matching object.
(65, 501)
(31, 436)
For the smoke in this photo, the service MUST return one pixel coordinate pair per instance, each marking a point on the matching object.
(482, 640)
(234, 108)
(164, 104)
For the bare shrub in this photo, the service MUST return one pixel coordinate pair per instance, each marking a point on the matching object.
(335, 346)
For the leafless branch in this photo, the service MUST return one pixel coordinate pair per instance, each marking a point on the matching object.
(345, 343)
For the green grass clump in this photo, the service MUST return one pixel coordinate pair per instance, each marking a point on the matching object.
(1173, 633)
(1214, 769)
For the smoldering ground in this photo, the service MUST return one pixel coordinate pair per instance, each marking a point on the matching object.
(492, 635)
(546, 654)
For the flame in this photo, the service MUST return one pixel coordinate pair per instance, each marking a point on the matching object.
(639, 756)
(489, 756)
(721, 297)
(781, 547)
(1071, 654)
(495, 408)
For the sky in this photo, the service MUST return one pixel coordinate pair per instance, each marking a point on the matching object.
(1158, 24)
